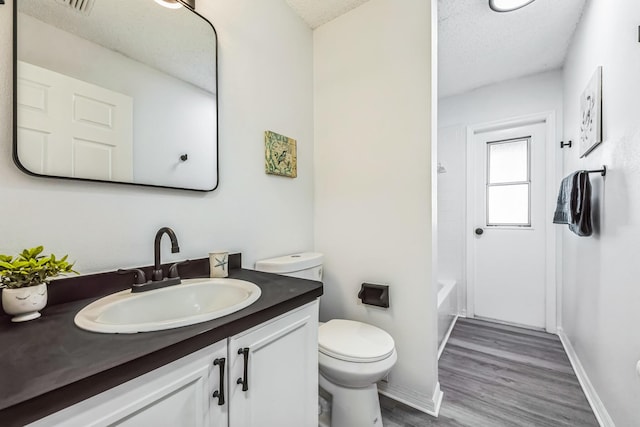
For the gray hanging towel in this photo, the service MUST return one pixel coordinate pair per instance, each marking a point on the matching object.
(574, 203)
(563, 206)
(581, 206)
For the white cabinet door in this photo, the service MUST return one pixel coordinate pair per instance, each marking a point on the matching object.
(178, 394)
(279, 386)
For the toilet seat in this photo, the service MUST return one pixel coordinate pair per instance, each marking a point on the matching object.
(353, 341)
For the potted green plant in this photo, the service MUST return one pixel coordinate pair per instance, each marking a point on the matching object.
(24, 279)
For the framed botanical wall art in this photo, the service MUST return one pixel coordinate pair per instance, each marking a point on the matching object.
(591, 114)
(280, 156)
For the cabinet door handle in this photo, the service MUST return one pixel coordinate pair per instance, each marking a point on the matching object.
(220, 393)
(245, 381)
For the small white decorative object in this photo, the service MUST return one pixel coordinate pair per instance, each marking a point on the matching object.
(24, 303)
(591, 114)
(219, 264)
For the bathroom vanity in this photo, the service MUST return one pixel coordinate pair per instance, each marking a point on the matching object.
(249, 379)
(255, 367)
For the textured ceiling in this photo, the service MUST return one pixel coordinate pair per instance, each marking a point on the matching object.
(318, 12)
(176, 42)
(477, 46)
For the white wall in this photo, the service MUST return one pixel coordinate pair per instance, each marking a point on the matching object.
(519, 97)
(372, 75)
(170, 116)
(265, 82)
(601, 289)
(532, 94)
(452, 204)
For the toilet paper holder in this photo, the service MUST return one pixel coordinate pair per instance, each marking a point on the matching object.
(373, 294)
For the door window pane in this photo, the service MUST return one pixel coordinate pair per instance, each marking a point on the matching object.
(508, 183)
(508, 204)
(508, 161)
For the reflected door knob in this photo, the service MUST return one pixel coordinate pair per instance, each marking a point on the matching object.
(479, 231)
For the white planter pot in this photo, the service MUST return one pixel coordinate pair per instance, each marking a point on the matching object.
(24, 303)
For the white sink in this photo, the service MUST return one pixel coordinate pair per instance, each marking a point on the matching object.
(193, 301)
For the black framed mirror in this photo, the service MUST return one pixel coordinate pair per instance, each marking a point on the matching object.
(120, 91)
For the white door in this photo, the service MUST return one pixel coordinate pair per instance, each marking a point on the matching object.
(71, 128)
(509, 225)
(273, 372)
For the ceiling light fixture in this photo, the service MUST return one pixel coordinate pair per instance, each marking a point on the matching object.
(169, 4)
(175, 4)
(507, 5)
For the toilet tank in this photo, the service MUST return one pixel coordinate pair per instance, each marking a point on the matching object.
(305, 265)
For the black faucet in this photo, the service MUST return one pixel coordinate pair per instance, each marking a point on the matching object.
(156, 276)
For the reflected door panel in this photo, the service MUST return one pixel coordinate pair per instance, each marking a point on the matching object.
(72, 128)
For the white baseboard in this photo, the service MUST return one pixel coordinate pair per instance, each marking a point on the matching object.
(597, 406)
(446, 336)
(427, 404)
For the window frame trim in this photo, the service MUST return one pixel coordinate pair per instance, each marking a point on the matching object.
(528, 182)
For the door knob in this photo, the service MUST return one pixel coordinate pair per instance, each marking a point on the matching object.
(479, 231)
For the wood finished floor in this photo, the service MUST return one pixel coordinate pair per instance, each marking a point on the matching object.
(494, 375)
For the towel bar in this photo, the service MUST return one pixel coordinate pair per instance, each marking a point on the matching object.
(602, 171)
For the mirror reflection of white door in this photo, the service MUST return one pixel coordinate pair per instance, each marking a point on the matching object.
(509, 225)
(68, 127)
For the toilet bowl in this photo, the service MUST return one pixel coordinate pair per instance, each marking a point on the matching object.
(352, 356)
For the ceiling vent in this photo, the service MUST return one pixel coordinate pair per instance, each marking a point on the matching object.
(81, 6)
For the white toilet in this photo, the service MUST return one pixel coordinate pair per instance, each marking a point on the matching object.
(353, 356)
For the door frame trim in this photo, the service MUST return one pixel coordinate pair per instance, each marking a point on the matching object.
(551, 176)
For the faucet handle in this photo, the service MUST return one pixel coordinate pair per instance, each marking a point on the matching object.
(139, 276)
(173, 270)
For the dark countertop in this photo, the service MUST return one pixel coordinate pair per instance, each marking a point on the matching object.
(49, 363)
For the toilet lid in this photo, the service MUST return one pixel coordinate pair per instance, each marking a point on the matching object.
(354, 341)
